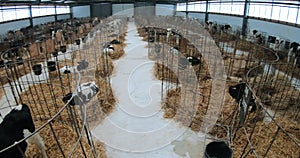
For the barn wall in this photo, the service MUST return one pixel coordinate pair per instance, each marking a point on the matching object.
(102, 10)
(236, 22)
(15, 25)
(144, 9)
(200, 16)
(81, 11)
(64, 16)
(42, 20)
(179, 14)
(165, 9)
(123, 9)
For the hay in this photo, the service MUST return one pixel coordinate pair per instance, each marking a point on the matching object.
(262, 137)
(105, 98)
(105, 67)
(223, 37)
(172, 103)
(162, 72)
(67, 138)
(36, 98)
(118, 53)
(278, 94)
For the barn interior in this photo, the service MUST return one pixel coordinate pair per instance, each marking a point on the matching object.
(159, 79)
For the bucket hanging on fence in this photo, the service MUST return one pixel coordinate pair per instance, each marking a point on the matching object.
(9, 64)
(37, 69)
(51, 65)
(1, 63)
(77, 41)
(20, 61)
(55, 53)
(217, 149)
(63, 49)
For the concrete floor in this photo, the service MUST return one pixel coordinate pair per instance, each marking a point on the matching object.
(137, 128)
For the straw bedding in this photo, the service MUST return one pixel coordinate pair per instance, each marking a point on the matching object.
(105, 67)
(172, 103)
(262, 135)
(263, 132)
(45, 100)
(67, 138)
(224, 37)
(46, 105)
(162, 72)
(271, 94)
(262, 138)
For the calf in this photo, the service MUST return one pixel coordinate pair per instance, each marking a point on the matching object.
(294, 47)
(193, 60)
(115, 42)
(237, 92)
(15, 126)
(225, 28)
(85, 92)
(65, 69)
(108, 49)
(256, 37)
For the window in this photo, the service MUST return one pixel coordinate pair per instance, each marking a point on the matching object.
(62, 9)
(181, 7)
(13, 12)
(42, 10)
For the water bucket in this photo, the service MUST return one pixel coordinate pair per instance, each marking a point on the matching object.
(217, 149)
(51, 65)
(9, 64)
(20, 61)
(55, 53)
(37, 69)
(77, 41)
(1, 63)
(63, 49)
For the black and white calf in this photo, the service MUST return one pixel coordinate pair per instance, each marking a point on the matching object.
(193, 60)
(85, 92)
(17, 125)
(279, 44)
(188, 61)
(66, 69)
(294, 48)
(256, 37)
(212, 27)
(225, 28)
(108, 49)
(237, 92)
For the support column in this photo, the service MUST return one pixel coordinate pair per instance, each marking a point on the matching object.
(175, 9)
(245, 18)
(71, 12)
(186, 9)
(206, 12)
(91, 10)
(55, 17)
(30, 16)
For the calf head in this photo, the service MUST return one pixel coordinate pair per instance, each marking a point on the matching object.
(237, 91)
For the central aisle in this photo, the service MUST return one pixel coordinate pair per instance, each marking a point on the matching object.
(136, 128)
